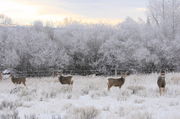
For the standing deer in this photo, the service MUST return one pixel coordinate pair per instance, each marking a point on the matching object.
(18, 80)
(65, 79)
(117, 82)
(161, 82)
(0, 76)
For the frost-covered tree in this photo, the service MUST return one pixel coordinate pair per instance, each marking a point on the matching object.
(165, 15)
(88, 48)
(5, 20)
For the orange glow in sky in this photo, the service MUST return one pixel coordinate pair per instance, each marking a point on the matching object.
(25, 12)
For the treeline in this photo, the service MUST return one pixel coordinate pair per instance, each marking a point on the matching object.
(144, 46)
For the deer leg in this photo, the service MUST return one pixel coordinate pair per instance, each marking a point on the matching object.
(160, 91)
(24, 83)
(71, 83)
(163, 89)
(109, 86)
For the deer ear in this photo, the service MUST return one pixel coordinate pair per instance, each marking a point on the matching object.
(124, 74)
(59, 73)
(127, 73)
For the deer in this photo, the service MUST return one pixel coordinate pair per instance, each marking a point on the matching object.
(117, 82)
(65, 79)
(161, 82)
(0, 76)
(18, 80)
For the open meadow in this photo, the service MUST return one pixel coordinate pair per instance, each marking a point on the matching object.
(88, 98)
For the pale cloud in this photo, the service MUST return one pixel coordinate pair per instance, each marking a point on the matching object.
(17, 11)
(27, 11)
(141, 9)
(97, 20)
(10, 8)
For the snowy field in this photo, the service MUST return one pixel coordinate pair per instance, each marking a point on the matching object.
(88, 98)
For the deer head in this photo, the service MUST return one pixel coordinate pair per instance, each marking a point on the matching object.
(124, 74)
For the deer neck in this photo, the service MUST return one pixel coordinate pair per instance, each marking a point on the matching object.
(162, 77)
(12, 79)
(122, 78)
(60, 77)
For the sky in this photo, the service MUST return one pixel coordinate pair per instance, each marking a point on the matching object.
(88, 11)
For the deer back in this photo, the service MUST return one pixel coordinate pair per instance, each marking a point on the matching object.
(18, 80)
(65, 79)
(116, 81)
(161, 81)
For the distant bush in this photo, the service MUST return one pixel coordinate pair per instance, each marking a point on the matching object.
(83, 113)
(10, 115)
(140, 115)
(135, 89)
(9, 105)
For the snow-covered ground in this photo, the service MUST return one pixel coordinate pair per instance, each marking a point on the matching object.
(88, 98)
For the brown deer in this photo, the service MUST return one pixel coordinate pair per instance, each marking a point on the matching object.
(161, 82)
(18, 80)
(117, 82)
(65, 79)
(0, 76)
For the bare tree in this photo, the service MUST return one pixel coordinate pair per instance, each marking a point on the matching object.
(165, 15)
(5, 20)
